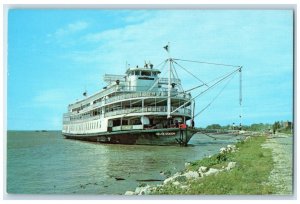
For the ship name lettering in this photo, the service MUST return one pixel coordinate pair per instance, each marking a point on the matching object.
(165, 133)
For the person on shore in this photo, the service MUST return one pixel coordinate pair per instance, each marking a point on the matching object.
(192, 123)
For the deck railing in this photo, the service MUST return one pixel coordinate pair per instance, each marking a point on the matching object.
(134, 96)
(146, 94)
(185, 111)
(153, 109)
(66, 119)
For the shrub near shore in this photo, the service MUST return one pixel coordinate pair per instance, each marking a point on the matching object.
(253, 165)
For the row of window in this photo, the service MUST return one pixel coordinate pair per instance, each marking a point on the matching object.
(142, 73)
(89, 114)
(80, 108)
(83, 127)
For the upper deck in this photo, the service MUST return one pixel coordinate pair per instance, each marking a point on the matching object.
(121, 87)
(122, 96)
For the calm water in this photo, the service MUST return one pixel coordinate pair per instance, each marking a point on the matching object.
(46, 163)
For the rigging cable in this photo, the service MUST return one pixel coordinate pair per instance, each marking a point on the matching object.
(209, 87)
(206, 90)
(196, 87)
(218, 64)
(161, 64)
(181, 88)
(214, 97)
(226, 76)
(200, 62)
(157, 80)
(190, 73)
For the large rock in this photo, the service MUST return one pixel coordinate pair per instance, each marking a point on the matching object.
(129, 193)
(181, 178)
(166, 173)
(143, 190)
(223, 150)
(230, 166)
(202, 169)
(172, 178)
(211, 171)
(228, 149)
(138, 190)
(231, 148)
(191, 175)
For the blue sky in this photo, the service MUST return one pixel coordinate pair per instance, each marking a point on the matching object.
(54, 55)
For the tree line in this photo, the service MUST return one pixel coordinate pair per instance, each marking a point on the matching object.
(277, 126)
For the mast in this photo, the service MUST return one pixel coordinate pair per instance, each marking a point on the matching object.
(167, 48)
(169, 90)
(240, 97)
(193, 110)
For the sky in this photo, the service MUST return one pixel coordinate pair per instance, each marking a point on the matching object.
(55, 55)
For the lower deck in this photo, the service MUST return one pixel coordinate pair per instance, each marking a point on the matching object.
(165, 136)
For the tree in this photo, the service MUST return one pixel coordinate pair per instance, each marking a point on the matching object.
(276, 126)
(214, 126)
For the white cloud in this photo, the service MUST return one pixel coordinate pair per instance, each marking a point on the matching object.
(229, 37)
(51, 98)
(138, 16)
(66, 31)
(71, 28)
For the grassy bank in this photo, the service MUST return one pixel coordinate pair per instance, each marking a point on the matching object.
(249, 177)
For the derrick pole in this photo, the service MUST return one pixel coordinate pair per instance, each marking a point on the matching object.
(240, 97)
(169, 91)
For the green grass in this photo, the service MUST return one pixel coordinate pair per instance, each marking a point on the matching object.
(249, 177)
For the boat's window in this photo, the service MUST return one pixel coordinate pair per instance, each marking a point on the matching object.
(144, 73)
(137, 73)
(154, 73)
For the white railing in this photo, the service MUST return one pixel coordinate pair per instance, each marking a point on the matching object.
(80, 119)
(96, 96)
(166, 81)
(161, 109)
(125, 96)
(185, 111)
(128, 96)
(146, 94)
(113, 77)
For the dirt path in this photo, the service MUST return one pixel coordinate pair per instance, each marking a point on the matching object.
(282, 174)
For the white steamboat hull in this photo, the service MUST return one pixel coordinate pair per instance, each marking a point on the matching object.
(166, 136)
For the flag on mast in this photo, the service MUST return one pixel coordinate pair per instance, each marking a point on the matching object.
(167, 47)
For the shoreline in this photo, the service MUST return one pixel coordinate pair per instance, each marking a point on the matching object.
(185, 174)
(220, 173)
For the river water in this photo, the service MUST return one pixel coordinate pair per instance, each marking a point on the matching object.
(46, 163)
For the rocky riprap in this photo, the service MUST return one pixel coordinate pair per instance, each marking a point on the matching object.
(181, 179)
